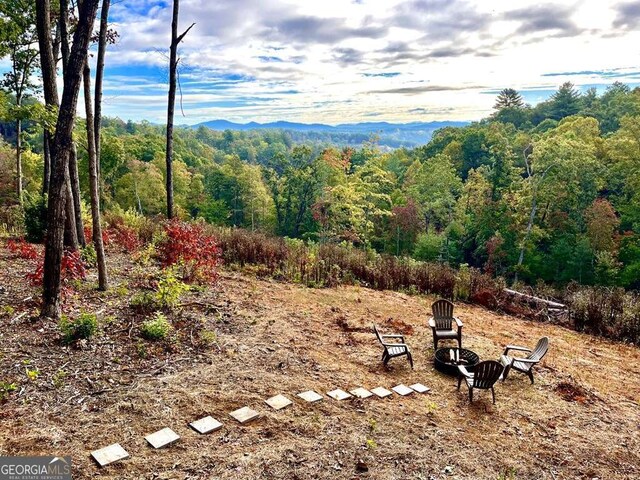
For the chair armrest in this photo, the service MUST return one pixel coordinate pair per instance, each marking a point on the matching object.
(432, 323)
(395, 345)
(524, 360)
(515, 347)
(464, 372)
(458, 322)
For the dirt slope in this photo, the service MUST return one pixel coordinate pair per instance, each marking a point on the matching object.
(580, 419)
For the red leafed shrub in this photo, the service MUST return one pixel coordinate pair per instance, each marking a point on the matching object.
(189, 246)
(126, 237)
(22, 249)
(72, 268)
(106, 236)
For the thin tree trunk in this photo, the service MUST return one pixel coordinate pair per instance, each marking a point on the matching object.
(47, 60)
(173, 68)
(102, 47)
(75, 190)
(70, 234)
(47, 161)
(19, 158)
(75, 209)
(532, 216)
(60, 151)
(93, 181)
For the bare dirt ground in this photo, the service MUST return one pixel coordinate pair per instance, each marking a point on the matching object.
(581, 419)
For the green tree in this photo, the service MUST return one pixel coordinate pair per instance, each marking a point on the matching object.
(565, 102)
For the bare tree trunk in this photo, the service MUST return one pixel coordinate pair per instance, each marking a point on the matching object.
(47, 161)
(93, 181)
(102, 48)
(173, 68)
(74, 210)
(70, 235)
(19, 158)
(60, 151)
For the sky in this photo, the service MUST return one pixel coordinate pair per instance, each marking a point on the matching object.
(344, 61)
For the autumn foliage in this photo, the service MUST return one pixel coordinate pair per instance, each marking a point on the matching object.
(73, 268)
(21, 249)
(191, 248)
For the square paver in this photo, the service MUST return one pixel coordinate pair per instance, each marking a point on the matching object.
(244, 414)
(338, 394)
(162, 438)
(420, 388)
(361, 392)
(310, 396)
(381, 392)
(402, 390)
(278, 402)
(206, 425)
(109, 454)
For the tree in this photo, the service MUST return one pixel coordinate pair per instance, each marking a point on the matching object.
(18, 36)
(61, 150)
(565, 102)
(93, 180)
(508, 98)
(173, 70)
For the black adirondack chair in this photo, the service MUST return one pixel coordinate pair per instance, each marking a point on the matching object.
(484, 376)
(524, 364)
(442, 323)
(396, 348)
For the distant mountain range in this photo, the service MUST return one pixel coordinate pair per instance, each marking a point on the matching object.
(392, 135)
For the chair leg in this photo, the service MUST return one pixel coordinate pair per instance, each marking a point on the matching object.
(507, 369)
(470, 394)
(530, 373)
(459, 381)
(459, 340)
(410, 359)
(493, 394)
(435, 343)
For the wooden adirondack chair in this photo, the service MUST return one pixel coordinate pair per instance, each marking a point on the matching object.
(484, 376)
(524, 364)
(442, 323)
(393, 349)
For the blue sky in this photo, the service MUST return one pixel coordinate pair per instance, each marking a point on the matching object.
(340, 61)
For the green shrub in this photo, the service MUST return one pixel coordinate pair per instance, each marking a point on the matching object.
(5, 389)
(83, 327)
(35, 218)
(89, 255)
(170, 289)
(156, 328)
(143, 301)
(428, 247)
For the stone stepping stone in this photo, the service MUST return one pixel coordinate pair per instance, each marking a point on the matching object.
(244, 415)
(402, 390)
(109, 454)
(278, 402)
(361, 392)
(420, 388)
(310, 396)
(206, 425)
(338, 394)
(162, 438)
(381, 392)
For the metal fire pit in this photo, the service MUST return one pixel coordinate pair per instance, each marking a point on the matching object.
(446, 360)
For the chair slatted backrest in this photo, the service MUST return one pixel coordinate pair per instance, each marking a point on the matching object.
(442, 314)
(375, 329)
(486, 373)
(541, 349)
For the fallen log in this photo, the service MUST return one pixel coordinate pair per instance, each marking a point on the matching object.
(551, 305)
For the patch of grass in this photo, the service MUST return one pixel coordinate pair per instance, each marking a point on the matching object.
(58, 379)
(32, 374)
(141, 349)
(208, 337)
(7, 311)
(156, 328)
(371, 444)
(170, 289)
(5, 389)
(83, 327)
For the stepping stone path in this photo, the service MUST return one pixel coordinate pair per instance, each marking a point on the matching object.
(338, 394)
(418, 387)
(278, 402)
(310, 396)
(244, 415)
(109, 454)
(381, 392)
(361, 392)
(402, 390)
(206, 425)
(162, 438)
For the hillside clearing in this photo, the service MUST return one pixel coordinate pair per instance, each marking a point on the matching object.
(579, 420)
